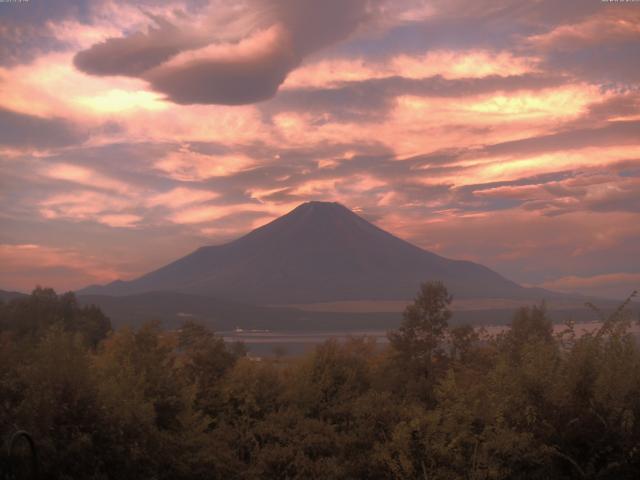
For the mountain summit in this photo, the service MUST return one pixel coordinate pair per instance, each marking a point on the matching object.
(318, 252)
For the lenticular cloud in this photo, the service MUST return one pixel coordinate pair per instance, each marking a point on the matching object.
(194, 66)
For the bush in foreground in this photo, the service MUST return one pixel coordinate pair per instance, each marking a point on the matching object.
(437, 403)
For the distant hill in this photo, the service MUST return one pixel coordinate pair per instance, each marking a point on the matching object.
(172, 309)
(5, 295)
(318, 252)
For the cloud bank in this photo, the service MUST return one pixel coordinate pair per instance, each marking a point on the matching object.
(196, 67)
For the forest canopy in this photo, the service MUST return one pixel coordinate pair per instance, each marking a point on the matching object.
(437, 402)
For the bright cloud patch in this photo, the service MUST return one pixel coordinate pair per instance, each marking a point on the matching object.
(188, 165)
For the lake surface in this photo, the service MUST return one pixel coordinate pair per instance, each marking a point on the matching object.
(265, 343)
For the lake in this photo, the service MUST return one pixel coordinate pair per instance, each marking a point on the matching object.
(264, 343)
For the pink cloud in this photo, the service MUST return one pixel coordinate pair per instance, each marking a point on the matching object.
(86, 177)
(188, 165)
(611, 26)
(180, 197)
(26, 265)
(449, 64)
(208, 213)
(83, 205)
(508, 240)
(119, 220)
(614, 285)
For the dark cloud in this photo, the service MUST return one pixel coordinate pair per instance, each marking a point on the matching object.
(460, 24)
(614, 133)
(25, 27)
(367, 99)
(547, 12)
(624, 198)
(597, 47)
(243, 73)
(285, 168)
(314, 25)
(133, 55)
(597, 189)
(22, 43)
(232, 81)
(606, 64)
(530, 180)
(39, 12)
(21, 130)
(614, 195)
(624, 104)
(250, 77)
(296, 167)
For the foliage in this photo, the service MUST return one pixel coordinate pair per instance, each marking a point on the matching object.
(416, 347)
(437, 403)
(424, 327)
(32, 316)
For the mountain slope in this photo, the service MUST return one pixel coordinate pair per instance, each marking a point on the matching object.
(318, 252)
(173, 309)
(7, 296)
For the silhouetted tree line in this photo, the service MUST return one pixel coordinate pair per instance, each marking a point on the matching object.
(437, 403)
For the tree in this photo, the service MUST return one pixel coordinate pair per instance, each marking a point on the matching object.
(206, 359)
(423, 328)
(152, 429)
(332, 377)
(462, 339)
(529, 325)
(32, 316)
(57, 404)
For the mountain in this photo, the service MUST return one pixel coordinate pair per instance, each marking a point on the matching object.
(6, 296)
(172, 309)
(318, 252)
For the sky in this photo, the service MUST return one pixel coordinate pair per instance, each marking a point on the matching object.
(503, 132)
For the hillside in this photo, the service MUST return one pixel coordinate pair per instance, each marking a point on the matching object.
(319, 252)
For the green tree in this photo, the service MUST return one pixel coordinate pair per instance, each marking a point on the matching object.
(153, 429)
(332, 377)
(462, 338)
(205, 360)
(418, 340)
(58, 404)
(530, 325)
(31, 317)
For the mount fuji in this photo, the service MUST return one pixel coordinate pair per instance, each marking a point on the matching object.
(318, 252)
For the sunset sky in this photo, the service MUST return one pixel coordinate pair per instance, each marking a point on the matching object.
(503, 132)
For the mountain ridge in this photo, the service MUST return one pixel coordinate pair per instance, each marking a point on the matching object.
(319, 251)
